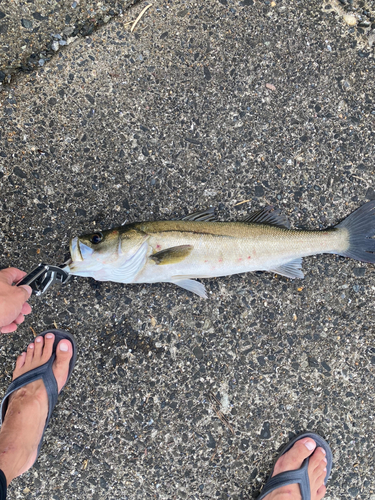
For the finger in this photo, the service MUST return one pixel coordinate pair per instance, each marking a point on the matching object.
(26, 309)
(20, 319)
(12, 275)
(27, 289)
(20, 294)
(9, 328)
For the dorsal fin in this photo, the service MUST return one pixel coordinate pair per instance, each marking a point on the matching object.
(202, 216)
(270, 216)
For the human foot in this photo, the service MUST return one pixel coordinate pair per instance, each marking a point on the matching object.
(293, 460)
(27, 409)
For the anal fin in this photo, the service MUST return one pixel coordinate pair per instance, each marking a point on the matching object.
(290, 269)
(192, 286)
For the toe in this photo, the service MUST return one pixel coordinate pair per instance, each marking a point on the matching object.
(321, 492)
(49, 339)
(294, 457)
(38, 349)
(317, 471)
(318, 459)
(320, 474)
(321, 467)
(29, 354)
(20, 360)
(317, 477)
(64, 352)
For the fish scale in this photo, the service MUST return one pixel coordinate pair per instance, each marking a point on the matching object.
(254, 248)
(199, 247)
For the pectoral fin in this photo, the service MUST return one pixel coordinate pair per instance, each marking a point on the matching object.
(171, 255)
(291, 269)
(192, 286)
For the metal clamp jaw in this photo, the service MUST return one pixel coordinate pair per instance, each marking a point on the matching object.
(43, 276)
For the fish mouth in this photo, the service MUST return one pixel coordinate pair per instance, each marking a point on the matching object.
(75, 250)
(79, 251)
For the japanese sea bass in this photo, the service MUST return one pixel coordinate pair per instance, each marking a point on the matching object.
(178, 251)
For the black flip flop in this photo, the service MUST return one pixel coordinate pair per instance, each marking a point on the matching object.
(45, 373)
(299, 476)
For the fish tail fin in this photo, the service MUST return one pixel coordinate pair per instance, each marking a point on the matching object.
(361, 229)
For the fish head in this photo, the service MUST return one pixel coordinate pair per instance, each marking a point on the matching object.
(106, 255)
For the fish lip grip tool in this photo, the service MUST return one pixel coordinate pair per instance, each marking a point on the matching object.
(43, 276)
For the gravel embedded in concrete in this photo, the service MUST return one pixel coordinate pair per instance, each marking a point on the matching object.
(203, 105)
(27, 29)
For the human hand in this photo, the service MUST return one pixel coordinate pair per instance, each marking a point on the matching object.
(13, 300)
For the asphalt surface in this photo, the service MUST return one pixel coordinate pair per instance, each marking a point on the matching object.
(33, 32)
(204, 104)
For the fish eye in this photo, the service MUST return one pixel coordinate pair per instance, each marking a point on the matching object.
(96, 238)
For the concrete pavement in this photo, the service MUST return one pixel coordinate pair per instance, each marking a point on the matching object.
(229, 104)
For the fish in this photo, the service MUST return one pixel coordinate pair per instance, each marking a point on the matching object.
(198, 246)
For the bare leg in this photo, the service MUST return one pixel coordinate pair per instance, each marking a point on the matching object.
(27, 411)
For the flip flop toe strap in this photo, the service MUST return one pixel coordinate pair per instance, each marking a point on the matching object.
(299, 476)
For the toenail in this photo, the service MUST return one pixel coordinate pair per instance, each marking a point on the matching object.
(38, 339)
(325, 469)
(64, 347)
(325, 460)
(310, 445)
(31, 346)
(49, 336)
(323, 451)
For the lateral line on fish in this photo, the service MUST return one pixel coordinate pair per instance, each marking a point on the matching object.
(198, 232)
(183, 249)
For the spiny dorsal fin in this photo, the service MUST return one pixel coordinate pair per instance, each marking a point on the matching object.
(269, 216)
(171, 255)
(202, 216)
